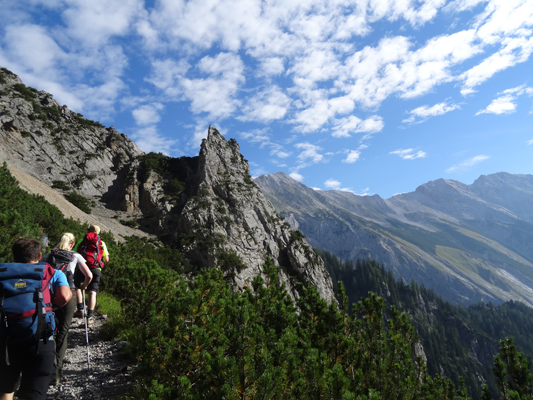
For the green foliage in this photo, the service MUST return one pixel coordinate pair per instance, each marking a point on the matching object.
(25, 134)
(86, 123)
(296, 236)
(157, 162)
(230, 262)
(79, 201)
(132, 223)
(25, 92)
(447, 332)
(513, 372)
(62, 185)
(23, 214)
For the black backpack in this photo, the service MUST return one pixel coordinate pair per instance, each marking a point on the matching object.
(59, 259)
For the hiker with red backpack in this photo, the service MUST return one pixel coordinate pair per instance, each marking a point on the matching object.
(63, 259)
(93, 249)
(28, 288)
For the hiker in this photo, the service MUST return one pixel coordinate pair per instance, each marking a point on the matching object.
(64, 259)
(93, 249)
(27, 351)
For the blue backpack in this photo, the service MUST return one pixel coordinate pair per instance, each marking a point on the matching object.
(25, 303)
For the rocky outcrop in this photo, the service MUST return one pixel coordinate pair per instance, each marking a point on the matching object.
(228, 222)
(468, 243)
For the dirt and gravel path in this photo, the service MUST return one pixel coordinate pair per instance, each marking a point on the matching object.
(105, 375)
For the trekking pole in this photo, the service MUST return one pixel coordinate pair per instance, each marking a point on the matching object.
(86, 331)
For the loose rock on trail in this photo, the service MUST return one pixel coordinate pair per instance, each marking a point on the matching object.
(106, 376)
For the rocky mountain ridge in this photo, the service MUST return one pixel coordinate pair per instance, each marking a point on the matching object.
(208, 206)
(467, 242)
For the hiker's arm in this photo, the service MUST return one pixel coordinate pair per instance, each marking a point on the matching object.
(87, 273)
(62, 296)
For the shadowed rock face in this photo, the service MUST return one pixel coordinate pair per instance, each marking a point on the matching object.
(467, 242)
(208, 205)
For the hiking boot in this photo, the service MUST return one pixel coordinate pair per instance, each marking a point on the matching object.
(90, 321)
(78, 314)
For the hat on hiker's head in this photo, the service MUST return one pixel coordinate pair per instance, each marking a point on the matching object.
(94, 228)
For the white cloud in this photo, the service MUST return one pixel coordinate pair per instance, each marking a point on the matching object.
(332, 184)
(265, 106)
(271, 66)
(310, 152)
(296, 176)
(94, 22)
(422, 113)
(530, 142)
(147, 114)
(506, 102)
(409, 154)
(149, 139)
(352, 157)
(343, 127)
(467, 164)
(215, 95)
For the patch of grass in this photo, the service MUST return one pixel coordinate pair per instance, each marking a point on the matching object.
(108, 304)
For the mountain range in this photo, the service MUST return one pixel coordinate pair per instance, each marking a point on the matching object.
(469, 243)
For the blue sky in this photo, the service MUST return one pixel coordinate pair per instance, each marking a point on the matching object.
(369, 96)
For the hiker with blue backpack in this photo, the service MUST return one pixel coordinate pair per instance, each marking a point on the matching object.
(93, 249)
(64, 259)
(28, 288)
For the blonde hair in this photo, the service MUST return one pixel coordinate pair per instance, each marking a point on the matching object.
(66, 240)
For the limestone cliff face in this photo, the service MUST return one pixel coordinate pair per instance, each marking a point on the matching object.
(230, 210)
(59, 147)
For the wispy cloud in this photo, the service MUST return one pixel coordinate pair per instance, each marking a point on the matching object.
(332, 184)
(310, 152)
(423, 113)
(530, 142)
(147, 114)
(467, 164)
(505, 103)
(353, 155)
(409, 154)
(343, 128)
(296, 176)
(149, 139)
(267, 105)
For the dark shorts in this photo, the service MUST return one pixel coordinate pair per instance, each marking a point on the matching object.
(37, 369)
(93, 286)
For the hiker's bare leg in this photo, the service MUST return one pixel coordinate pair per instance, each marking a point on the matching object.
(80, 299)
(92, 301)
(7, 396)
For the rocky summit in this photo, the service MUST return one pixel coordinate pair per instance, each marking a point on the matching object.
(208, 206)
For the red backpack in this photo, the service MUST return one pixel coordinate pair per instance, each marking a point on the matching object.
(91, 249)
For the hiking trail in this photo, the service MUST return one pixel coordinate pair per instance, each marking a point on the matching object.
(108, 374)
